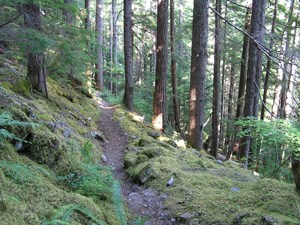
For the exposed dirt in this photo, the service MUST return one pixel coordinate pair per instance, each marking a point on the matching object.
(144, 203)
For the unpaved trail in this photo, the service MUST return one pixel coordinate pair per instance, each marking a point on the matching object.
(142, 202)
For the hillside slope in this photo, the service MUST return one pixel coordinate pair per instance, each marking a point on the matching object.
(56, 176)
(205, 191)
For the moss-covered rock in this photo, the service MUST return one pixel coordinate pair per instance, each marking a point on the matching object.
(45, 146)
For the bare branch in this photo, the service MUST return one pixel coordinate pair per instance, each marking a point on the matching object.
(259, 45)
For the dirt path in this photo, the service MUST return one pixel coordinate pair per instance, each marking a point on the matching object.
(143, 203)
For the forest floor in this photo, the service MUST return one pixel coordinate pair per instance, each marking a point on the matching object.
(145, 204)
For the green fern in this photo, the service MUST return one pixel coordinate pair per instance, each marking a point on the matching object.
(63, 215)
(117, 199)
(57, 222)
(92, 181)
(20, 173)
(140, 221)
(6, 120)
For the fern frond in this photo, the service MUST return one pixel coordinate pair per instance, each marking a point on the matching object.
(6, 120)
(20, 173)
(56, 222)
(117, 199)
(65, 212)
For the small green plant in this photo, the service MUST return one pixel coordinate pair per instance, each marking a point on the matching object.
(63, 215)
(108, 96)
(6, 121)
(117, 199)
(20, 173)
(86, 151)
(92, 181)
(272, 143)
(140, 221)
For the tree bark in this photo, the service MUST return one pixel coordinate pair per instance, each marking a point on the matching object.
(244, 62)
(128, 55)
(222, 124)
(69, 18)
(87, 20)
(113, 46)
(216, 84)
(67, 14)
(173, 69)
(198, 73)
(254, 69)
(269, 63)
(287, 67)
(36, 60)
(159, 100)
(99, 30)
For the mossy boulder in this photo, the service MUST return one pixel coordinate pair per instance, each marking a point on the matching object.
(45, 146)
(152, 151)
(130, 160)
(144, 172)
(143, 142)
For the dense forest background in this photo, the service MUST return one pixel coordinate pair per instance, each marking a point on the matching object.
(149, 112)
(224, 74)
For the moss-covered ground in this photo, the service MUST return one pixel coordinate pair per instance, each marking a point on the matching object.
(205, 191)
(55, 176)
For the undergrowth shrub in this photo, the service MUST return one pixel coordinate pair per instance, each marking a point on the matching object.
(92, 181)
(86, 151)
(273, 144)
(109, 97)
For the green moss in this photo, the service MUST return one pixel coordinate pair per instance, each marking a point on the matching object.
(21, 87)
(130, 160)
(210, 192)
(46, 147)
(6, 85)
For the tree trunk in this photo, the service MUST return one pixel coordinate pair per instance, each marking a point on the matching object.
(268, 69)
(198, 73)
(159, 100)
(36, 60)
(244, 62)
(180, 22)
(67, 14)
(292, 83)
(287, 68)
(222, 125)
(99, 30)
(173, 69)
(230, 124)
(296, 173)
(87, 20)
(69, 18)
(216, 84)
(128, 55)
(254, 68)
(113, 47)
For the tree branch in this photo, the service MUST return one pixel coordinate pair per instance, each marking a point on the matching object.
(259, 45)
